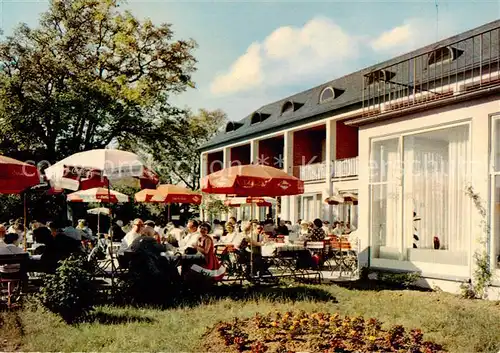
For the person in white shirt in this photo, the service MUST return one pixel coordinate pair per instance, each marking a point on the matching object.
(304, 230)
(190, 239)
(232, 237)
(135, 232)
(326, 227)
(338, 230)
(11, 247)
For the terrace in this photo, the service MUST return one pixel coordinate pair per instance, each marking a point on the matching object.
(454, 71)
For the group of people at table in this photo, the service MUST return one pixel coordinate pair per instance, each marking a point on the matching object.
(49, 243)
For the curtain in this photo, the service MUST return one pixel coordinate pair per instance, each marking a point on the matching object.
(434, 189)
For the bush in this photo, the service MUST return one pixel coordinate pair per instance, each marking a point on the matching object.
(316, 332)
(70, 292)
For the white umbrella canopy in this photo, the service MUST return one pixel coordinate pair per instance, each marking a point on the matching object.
(99, 210)
(106, 163)
(97, 195)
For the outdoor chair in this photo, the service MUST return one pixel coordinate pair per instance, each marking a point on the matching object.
(12, 283)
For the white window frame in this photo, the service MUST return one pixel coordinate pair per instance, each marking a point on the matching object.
(492, 174)
(401, 264)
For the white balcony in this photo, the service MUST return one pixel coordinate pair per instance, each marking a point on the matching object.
(342, 168)
(347, 167)
(312, 172)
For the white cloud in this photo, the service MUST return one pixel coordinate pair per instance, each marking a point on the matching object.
(321, 50)
(413, 34)
(245, 72)
(290, 54)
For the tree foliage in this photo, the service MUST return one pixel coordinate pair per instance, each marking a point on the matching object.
(88, 75)
(177, 159)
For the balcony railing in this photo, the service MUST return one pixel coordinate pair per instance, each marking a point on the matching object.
(347, 167)
(454, 69)
(312, 172)
(342, 168)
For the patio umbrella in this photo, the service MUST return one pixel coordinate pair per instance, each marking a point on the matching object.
(258, 201)
(99, 211)
(334, 200)
(95, 168)
(252, 180)
(350, 198)
(168, 194)
(97, 195)
(15, 178)
(101, 165)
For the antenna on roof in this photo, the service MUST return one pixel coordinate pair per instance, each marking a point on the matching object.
(437, 20)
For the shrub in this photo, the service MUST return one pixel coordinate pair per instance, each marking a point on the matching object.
(70, 292)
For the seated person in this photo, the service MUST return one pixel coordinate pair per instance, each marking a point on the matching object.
(212, 267)
(189, 242)
(59, 248)
(317, 234)
(117, 231)
(232, 236)
(11, 247)
(282, 229)
(135, 232)
(337, 230)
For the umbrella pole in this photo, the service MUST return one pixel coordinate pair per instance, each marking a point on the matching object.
(99, 222)
(111, 241)
(168, 214)
(25, 215)
(251, 241)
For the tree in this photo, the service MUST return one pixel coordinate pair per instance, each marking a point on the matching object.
(178, 157)
(88, 75)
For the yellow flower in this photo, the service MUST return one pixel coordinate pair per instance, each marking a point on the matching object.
(295, 322)
(292, 327)
(274, 324)
(372, 338)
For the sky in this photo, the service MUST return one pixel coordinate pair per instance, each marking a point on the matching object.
(256, 52)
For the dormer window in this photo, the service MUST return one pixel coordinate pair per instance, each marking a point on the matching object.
(328, 94)
(233, 126)
(289, 107)
(443, 55)
(379, 76)
(258, 118)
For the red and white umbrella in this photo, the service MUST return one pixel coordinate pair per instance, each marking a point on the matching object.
(257, 201)
(95, 168)
(97, 195)
(17, 176)
(252, 180)
(168, 193)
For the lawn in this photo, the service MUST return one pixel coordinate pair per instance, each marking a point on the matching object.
(460, 325)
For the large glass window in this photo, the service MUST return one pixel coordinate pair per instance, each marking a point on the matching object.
(385, 190)
(419, 208)
(436, 207)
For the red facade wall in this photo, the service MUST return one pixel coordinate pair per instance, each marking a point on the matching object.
(307, 144)
(214, 162)
(240, 155)
(347, 141)
(271, 152)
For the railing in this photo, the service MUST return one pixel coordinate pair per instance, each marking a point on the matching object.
(457, 68)
(342, 168)
(345, 167)
(311, 172)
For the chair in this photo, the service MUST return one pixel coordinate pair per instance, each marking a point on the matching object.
(13, 280)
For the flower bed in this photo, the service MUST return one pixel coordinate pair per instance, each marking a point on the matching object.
(317, 332)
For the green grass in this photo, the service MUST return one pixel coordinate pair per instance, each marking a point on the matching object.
(460, 325)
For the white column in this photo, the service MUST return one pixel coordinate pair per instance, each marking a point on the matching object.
(254, 151)
(203, 165)
(226, 163)
(331, 142)
(287, 209)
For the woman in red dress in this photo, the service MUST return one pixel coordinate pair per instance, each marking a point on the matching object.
(212, 267)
